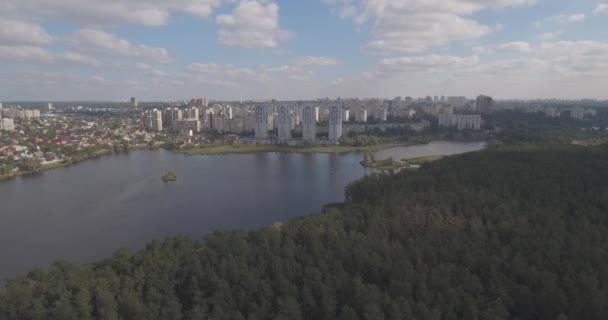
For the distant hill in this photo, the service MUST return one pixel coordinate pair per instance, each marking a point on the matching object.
(497, 234)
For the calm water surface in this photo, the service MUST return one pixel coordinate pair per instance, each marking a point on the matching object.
(87, 211)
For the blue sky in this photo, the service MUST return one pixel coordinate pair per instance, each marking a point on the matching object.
(286, 49)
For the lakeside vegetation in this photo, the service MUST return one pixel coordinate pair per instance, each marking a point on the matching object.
(496, 234)
(33, 167)
(386, 164)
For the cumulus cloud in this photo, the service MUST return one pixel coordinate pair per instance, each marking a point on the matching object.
(22, 32)
(108, 12)
(252, 24)
(601, 8)
(316, 61)
(518, 46)
(33, 54)
(100, 41)
(560, 69)
(418, 25)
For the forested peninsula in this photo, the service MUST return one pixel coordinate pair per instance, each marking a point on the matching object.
(514, 233)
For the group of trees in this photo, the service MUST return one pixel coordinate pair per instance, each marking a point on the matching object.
(498, 234)
(515, 127)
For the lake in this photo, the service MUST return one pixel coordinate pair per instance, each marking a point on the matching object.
(87, 211)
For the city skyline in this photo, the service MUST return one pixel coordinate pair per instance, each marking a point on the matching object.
(262, 49)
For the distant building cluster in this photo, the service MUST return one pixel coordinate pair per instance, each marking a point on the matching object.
(328, 120)
(460, 121)
(20, 113)
(172, 118)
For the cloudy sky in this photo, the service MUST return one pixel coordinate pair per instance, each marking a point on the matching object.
(302, 49)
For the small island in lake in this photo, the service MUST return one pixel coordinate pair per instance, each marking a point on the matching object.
(388, 164)
(170, 176)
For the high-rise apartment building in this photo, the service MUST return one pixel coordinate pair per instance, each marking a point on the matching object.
(192, 113)
(171, 117)
(335, 123)
(361, 115)
(309, 124)
(153, 120)
(134, 102)
(484, 104)
(346, 115)
(284, 124)
(261, 122)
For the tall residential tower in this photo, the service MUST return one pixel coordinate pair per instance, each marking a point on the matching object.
(335, 123)
(309, 124)
(261, 122)
(284, 124)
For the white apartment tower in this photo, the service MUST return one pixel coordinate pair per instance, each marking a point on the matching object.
(335, 123)
(261, 122)
(361, 115)
(284, 124)
(309, 124)
(153, 120)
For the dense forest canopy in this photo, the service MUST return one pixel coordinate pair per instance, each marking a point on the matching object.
(498, 234)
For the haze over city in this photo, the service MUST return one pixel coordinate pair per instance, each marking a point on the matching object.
(262, 49)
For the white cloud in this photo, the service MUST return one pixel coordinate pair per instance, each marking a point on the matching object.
(292, 73)
(108, 12)
(518, 46)
(316, 61)
(103, 42)
(32, 54)
(561, 69)
(226, 72)
(562, 18)
(601, 8)
(252, 24)
(425, 63)
(550, 36)
(418, 25)
(21, 32)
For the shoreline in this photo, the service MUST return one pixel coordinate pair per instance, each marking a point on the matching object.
(55, 165)
(223, 149)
